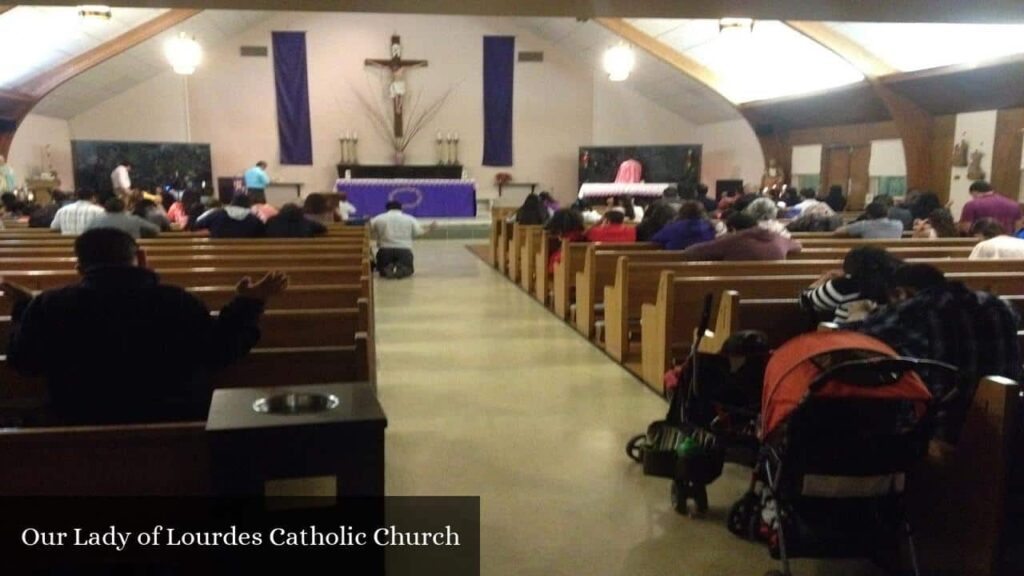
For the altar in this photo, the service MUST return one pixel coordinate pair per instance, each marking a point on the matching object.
(604, 190)
(423, 198)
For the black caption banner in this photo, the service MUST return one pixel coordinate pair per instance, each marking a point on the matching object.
(396, 536)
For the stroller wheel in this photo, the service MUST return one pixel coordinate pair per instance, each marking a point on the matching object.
(743, 517)
(700, 499)
(633, 449)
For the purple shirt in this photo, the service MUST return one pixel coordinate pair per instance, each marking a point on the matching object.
(680, 234)
(994, 206)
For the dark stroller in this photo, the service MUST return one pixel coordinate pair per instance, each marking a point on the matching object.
(711, 418)
(843, 418)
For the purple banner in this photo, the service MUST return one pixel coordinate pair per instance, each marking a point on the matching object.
(426, 198)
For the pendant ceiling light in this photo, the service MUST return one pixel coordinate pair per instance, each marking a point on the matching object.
(619, 62)
(184, 54)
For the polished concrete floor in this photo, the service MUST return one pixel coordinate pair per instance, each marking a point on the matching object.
(487, 394)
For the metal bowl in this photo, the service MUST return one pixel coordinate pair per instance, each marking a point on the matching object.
(295, 403)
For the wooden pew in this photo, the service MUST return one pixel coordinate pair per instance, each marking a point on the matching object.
(136, 460)
(311, 296)
(534, 237)
(262, 368)
(504, 239)
(898, 251)
(636, 281)
(198, 261)
(599, 271)
(886, 242)
(498, 217)
(287, 328)
(667, 325)
(162, 250)
(213, 276)
(567, 271)
(56, 241)
(520, 232)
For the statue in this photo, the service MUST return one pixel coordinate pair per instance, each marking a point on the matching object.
(960, 152)
(773, 176)
(974, 170)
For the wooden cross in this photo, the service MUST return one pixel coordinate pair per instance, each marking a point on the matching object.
(396, 88)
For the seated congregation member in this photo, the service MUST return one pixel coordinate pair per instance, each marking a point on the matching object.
(260, 208)
(233, 221)
(938, 224)
(152, 212)
(744, 241)
(291, 222)
(808, 199)
(531, 213)
(590, 216)
(922, 204)
(701, 191)
(848, 295)
(764, 211)
(565, 224)
(817, 218)
(74, 218)
(11, 207)
(898, 212)
(115, 217)
(876, 224)
(634, 212)
(933, 318)
(657, 216)
(985, 203)
(42, 216)
(346, 210)
(549, 202)
(997, 245)
(690, 227)
(184, 212)
(613, 228)
(318, 209)
(835, 198)
(728, 199)
(671, 197)
(395, 231)
(108, 325)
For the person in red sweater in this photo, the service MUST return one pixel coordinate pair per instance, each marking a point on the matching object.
(613, 229)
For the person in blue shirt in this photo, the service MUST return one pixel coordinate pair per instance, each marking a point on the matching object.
(256, 179)
(690, 227)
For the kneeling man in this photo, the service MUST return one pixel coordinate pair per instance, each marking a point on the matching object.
(395, 231)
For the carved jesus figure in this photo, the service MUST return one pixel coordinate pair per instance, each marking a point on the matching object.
(396, 87)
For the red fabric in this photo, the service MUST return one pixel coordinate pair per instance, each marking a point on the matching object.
(630, 172)
(556, 253)
(790, 371)
(612, 233)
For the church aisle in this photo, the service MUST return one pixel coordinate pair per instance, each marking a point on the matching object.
(488, 394)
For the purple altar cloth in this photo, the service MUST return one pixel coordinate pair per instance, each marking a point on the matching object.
(420, 198)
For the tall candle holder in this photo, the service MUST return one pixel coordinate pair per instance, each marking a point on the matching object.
(454, 145)
(355, 148)
(441, 149)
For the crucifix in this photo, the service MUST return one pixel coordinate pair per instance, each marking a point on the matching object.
(396, 89)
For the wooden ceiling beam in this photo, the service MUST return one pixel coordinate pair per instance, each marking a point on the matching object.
(46, 82)
(15, 104)
(868, 63)
(665, 53)
(913, 123)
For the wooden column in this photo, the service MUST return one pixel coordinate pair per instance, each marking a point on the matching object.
(915, 128)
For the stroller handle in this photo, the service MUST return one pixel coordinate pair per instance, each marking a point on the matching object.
(875, 372)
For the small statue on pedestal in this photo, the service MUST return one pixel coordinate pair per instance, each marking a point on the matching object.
(974, 170)
(773, 176)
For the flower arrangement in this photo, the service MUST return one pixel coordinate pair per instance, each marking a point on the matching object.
(502, 178)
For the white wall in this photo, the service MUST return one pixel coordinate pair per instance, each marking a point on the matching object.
(979, 129)
(153, 111)
(623, 117)
(559, 105)
(731, 151)
(28, 154)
